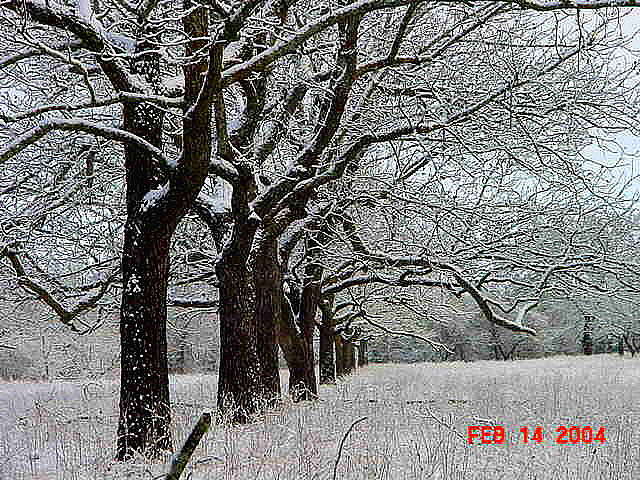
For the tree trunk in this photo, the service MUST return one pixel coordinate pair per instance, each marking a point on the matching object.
(327, 332)
(300, 358)
(297, 349)
(349, 357)
(144, 425)
(587, 337)
(268, 282)
(302, 382)
(339, 343)
(362, 353)
(239, 383)
(144, 377)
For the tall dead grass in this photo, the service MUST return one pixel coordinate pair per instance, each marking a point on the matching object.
(416, 426)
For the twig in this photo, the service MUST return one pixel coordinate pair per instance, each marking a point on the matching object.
(335, 466)
(443, 424)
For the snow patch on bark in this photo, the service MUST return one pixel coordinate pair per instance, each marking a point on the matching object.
(153, 197)
(215, 203)
(134, 285)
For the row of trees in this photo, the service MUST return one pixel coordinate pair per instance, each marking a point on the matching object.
(299, 157)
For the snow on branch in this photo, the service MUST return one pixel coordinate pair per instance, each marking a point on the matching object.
(465, 285)
(154, 196)
(15, 58)
(121, 97)
(437, 346)
(544, 5)
(182, 302)
(67, 317)
(44, 128)
(485, 308)
(90, 32)
(393, 59)
(284, 47)
(48, 13)
(402, 281)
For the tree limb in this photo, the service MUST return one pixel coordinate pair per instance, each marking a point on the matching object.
(76, 125)
(66, 316)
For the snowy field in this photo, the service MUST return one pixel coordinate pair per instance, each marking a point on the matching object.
(416, 426)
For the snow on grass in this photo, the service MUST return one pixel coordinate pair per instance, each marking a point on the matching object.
(415, 416)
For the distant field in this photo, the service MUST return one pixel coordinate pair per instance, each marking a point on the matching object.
(416, 426)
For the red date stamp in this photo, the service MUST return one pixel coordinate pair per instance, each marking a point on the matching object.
(573, 435)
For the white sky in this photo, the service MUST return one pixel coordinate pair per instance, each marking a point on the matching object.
(623, 149)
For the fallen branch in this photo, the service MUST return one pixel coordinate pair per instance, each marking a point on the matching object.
(182, 459)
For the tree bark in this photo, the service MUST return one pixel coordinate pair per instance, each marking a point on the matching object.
(327, 332)
(144, 385)
(587, 335)
(269, 298)
(239, 383)
(362, 353)
(299, 341)
(340, 355)
(349, 356)
(297, 349)
(303, 383)
(144, 425)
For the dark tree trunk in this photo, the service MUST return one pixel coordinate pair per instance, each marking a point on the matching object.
(587, 335)
(349, 357)
(144, 386)
(268, 281)
(302, 381)
(239, 383)
(250, 308)
(144, 425)
(496, 352)
(339, 343)
(620, 346)
(326, 355)
(460, 349)
(362, 353)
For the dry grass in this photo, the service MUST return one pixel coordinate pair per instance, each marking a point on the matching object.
(416, 426)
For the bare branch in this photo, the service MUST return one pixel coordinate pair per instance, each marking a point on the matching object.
(438, 347)
(66, 316)
(77, 125)
(121, 97)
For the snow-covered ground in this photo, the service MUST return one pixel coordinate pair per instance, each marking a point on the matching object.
(415, 428)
